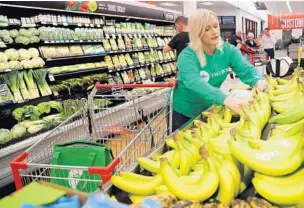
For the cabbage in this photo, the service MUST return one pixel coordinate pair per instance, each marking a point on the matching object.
(26, 64)
(5, 136)
(33, 31)
(18, 131)
(24, 54)
(13, 33)
(3, 66)
(3, 57)
(25, 32)
(12, 54)
(22, 39)
(14, 65)
(4, 33)
(38, 62)
(33, 52)
(8, 40)
(34, 39)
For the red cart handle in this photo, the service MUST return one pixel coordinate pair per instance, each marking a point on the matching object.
(128, 86)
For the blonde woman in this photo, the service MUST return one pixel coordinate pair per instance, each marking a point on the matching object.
(203, 67)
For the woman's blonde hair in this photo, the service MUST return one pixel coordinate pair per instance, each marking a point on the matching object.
(197, 26)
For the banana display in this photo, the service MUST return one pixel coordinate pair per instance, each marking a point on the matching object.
(212, 163)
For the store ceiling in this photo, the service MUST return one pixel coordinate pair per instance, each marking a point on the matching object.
(178, 5)
(277, 7)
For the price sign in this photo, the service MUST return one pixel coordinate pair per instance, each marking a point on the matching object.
(55, 93)
(55, 23)
(113, 36)
(65, 24)
(87, 25)
(92, 25)
(51, 77)
(107, 36)
(79, 24)
(98, 25)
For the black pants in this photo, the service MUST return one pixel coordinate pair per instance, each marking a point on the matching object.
(270, 52)
(178, 120)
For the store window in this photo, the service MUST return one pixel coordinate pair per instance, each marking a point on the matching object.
(227, 24)
(249, 26)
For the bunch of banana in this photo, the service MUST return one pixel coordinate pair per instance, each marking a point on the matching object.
(286, 94)
(267, 157)
(281, 190)
(288, 130)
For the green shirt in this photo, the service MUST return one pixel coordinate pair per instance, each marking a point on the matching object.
(198, 88)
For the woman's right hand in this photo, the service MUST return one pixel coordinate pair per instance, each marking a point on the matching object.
(234, 104)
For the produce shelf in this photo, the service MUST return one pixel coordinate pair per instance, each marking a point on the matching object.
(85, 71)
(70, 24)
(139, 66)
(75, 57)
(26, 102)
(9, 70)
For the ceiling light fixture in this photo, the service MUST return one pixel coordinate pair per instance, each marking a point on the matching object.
(288, 6)
(168, 4)
(207, 3)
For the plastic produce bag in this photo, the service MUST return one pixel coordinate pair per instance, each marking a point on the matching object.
(63, 202)
(100, 200)
(241, 94)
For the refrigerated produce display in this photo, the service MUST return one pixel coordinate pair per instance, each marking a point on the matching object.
(52, 56)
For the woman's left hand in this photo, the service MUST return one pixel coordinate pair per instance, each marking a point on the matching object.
(262, 85)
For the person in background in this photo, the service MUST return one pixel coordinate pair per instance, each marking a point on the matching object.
(268, 43)
(251, 42)
(203, 67)
(181, 39)
(236, 38)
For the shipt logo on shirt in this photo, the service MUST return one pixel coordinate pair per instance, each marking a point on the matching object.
(205, 75)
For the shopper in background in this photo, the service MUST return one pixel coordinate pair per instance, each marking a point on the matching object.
(181, 39)
(268, 42)
(251, 42)
(203, 67)
(236, 38)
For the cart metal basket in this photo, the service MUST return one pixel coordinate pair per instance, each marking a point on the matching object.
(258, 58)
(131, 129)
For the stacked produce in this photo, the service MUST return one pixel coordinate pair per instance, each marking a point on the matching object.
(86, 81)
(217, 159)
(33, 119)
(13, 59)
(5, 94)
(23, 36)
(24, 85)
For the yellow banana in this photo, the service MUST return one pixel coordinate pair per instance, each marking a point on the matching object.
(161, 189)
(185, 156)
(168, 155)
(293, 115)
(279, 194)
(288, 129)
(272, 82)
(282, 81)
(170, 143)
(140, 188)
(205, 187)
(229, 125)
(136, 199)
(283, 97)
(270, 157)
(293, 178)
(135, 177)
(148, 164)
(227, 115)
(226, 191)
(190, 179)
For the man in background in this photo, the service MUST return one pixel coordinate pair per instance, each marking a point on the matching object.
(236, 38)
(181, 39)
(268, 42)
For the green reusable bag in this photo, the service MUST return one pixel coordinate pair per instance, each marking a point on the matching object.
(81, 153)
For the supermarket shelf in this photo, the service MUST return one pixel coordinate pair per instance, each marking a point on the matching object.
(85, 71)
(99, 55)
(140, 65)
(9, 70)
(71, 24)
(26, 102)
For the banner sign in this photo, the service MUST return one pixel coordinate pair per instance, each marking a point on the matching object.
(286, 21)
(101, 7)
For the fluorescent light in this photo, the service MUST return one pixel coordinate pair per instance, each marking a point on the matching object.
(208, 3)
(168, 4)
(288, 6)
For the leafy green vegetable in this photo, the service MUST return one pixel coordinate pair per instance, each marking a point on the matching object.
(31, 85)
(43, 86)
(5, 136)
(18, 131)
(35, 129)
(27, 112)
(23, 89)
(11, 80)
(28, 123)
(46, 107)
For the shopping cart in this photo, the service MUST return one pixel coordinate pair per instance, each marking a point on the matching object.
(258, 58)
(132, 128)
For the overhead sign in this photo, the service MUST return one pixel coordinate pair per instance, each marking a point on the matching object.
(286, 21)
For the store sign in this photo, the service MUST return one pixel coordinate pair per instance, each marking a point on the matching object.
(286, 21)
(102, 7)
